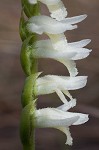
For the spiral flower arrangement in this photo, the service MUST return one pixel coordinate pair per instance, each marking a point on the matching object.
(57, 48)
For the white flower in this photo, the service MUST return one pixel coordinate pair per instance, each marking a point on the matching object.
(44, 24)
(59, 119)
(59, 84)
(71, 51)
(56, 8)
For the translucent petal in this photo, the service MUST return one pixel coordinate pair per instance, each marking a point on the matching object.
(73, 20)
(81, 53)
(80, 44)
(68, 105)
(61, 96)
(82, 119)
(39, 24)
(66, 130)
(67, 93)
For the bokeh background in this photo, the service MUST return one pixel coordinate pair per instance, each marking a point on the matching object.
(86, 137)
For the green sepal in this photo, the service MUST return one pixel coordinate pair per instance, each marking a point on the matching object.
(29, 89)
(28, 63)
(22, 27)
(27, 125)
(29, 9)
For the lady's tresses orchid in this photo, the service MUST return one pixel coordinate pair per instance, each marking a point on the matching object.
(59, 84)
(56, 8)
(44, 24)
(59, 49)
(58, 118)
(72, 51)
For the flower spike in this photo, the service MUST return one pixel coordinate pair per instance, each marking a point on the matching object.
(58, 48)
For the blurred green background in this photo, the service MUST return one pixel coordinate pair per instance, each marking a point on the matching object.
(86, 137)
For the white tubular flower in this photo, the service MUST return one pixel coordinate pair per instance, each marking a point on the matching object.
(59, 84)
(44, 24)
(59, 119)
(71, 51)
(56, 8)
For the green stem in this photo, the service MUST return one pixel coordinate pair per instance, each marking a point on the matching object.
(29, 65)
(30, 146)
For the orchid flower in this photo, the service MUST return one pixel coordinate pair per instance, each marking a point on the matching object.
(59, 84)
(56, 8)
(72, 51)
(44, 24)
(55, 118)
(58, 118)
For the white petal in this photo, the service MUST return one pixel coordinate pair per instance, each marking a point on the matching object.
(71, 66)
(51, 117)
(67, 93)
(80, 44)
(81, 53)
(65, 130)
(47, 2)
(56, 38)
(39, 24)
(73, 20)
(59, 42)
(32, 1)
(82, 119)
(44, 49)
(50, 2)
(48, 84)
(58, 11)
(61, 96)
(68, 105)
